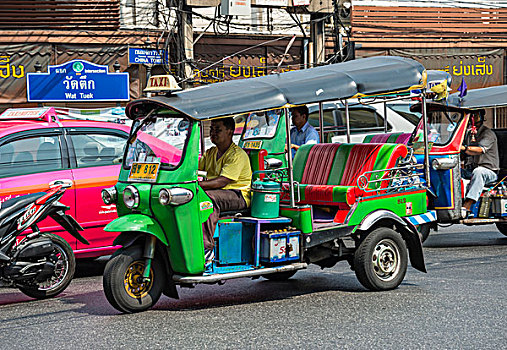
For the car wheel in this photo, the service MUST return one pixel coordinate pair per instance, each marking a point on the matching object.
(381, 260)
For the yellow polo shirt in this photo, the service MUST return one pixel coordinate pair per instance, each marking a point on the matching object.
(234, 165)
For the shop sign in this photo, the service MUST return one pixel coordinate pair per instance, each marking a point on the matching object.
(144, 56)
(77, 80)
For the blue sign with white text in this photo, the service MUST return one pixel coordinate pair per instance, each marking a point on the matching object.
(143, 56)
(77, 80)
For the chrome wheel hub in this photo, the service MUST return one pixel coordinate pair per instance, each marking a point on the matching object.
(386, 260)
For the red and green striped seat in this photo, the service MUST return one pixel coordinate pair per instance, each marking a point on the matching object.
(328, 173)
(395, 137)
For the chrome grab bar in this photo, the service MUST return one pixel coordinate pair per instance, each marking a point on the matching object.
(406, 173)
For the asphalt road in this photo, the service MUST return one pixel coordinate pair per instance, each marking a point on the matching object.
(459, 304)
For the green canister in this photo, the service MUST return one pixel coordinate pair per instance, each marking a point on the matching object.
(265, 199)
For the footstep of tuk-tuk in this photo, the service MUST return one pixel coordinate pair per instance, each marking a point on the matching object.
(215, 277)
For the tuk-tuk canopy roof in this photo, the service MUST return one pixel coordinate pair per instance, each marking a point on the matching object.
(481, 98)
(438, 76)
(361, 77)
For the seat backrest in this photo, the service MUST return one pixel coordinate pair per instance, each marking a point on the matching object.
(24, 158)
(395, 137)
(91, 151)
(48, 155)
(6, 154)
(342, 164)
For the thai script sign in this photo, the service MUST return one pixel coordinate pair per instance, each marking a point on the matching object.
(233, 71)
(77, 80)
(143, 56)
(478, 69)
(8, 69)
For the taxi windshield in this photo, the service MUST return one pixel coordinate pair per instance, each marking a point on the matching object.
(261, 124)
(158, 140)
(441, 127)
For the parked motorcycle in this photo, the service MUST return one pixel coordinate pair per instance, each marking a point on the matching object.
(41, 265)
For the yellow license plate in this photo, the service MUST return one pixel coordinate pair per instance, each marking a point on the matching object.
(252, 144)
(144, 172)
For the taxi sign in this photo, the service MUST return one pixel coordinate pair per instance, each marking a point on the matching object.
(144, 172)
(162, 83)
(29, 113)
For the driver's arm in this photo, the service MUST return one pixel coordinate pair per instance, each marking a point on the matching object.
(472, 150)
(215, 184)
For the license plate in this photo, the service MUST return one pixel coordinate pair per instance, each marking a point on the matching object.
(144, 172)
(252, 144)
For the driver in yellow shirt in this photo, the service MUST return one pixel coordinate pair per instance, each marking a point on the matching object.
(228, 177)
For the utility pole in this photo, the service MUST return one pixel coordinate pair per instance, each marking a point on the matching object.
(318, 38)
(319, 10)
(187, 37)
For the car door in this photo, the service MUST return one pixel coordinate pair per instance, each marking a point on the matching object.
(96, 155)
(30, 162)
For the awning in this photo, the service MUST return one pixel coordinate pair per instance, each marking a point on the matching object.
(362, 77)
(494, 96)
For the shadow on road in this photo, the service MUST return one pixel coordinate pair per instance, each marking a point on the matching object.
(90, 267)
(465, 239)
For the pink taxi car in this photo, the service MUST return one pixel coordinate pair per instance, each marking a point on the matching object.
(37, 149)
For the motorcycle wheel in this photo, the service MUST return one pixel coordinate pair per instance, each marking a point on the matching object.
(123, 286)
(381, 260)
(62, 276)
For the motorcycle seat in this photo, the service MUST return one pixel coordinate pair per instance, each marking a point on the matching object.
(11, 205)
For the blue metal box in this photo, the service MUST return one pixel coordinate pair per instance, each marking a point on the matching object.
(234, 243)
(279, 247)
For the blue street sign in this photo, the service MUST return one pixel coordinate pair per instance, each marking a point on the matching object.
(143, 56)
(77, 80)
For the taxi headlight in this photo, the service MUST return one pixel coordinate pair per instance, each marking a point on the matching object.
(175, 196)
(109, 195)
(131, 197)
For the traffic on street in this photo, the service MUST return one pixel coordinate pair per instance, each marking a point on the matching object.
(287, 174)
(459, 304)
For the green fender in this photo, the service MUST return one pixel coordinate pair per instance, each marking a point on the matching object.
(137, 223)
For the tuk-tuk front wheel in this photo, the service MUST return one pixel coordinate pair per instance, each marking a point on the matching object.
(124, 286)
(380, 261)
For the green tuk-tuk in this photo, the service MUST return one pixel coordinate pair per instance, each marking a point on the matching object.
(356, 202)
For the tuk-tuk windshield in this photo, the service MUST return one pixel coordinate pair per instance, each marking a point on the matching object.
(160, 140)
(441, 127)
(261, 124)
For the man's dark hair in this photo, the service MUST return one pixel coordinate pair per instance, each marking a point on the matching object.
(228, 122)
(303, 110)
(481, 113)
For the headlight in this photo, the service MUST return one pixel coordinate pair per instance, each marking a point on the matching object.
(109, 195)
(444, 163)
(164, 197)
(175, 196)
(131, 197)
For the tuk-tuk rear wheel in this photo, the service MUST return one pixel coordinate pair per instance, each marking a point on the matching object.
(124, 287)
(502, 227)
(424, 231)
(381, 260)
